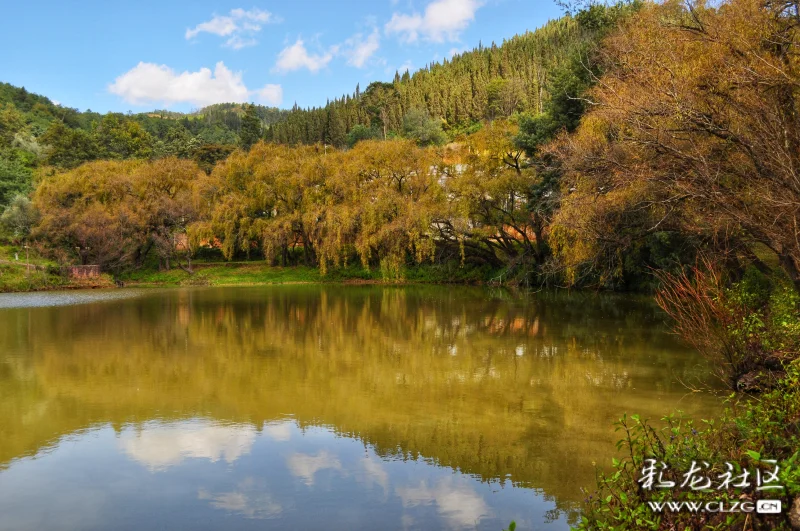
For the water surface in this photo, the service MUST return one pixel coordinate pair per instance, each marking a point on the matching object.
(322, 407)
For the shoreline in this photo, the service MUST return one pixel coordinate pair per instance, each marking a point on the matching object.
(221, 274)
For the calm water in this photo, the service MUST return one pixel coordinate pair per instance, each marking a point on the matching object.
(317, 407)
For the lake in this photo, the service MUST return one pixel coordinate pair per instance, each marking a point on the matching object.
(323, 407)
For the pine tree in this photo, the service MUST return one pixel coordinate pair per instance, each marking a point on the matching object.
(251, 128)
(335, 130)
(456, 88)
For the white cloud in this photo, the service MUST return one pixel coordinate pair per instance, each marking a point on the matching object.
(296, 56)
(270, 95)
(161, 446)
(149, 83)
(358, 50)
(237, 43)
(239, 26)
(221, 26)
(249, 499)
(306, 466)
(456, 502)
(279, 431)
(375, 473)
(442, 20)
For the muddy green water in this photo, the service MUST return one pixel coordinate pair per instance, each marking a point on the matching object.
(322, 407)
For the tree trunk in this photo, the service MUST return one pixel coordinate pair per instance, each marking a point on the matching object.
(790, 265)
(188, 266)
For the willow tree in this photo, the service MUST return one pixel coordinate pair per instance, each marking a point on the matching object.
(255, 199)
(291, 179)
(399, 200)
(489, 186)
(163, 201)
(376, 201)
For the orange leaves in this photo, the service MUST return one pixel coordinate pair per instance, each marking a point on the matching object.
(695, 128)
(109, 210)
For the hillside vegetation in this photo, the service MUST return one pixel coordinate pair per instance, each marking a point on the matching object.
(432, 106)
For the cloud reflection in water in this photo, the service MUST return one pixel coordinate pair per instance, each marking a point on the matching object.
(455, 501)
(159, 447)
(249, 500)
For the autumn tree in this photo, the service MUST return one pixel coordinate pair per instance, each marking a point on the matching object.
(113, 213)
(399, 200)
(694, 128)
(377, 202)
(164, 203)
(255, 200)
(489, 184)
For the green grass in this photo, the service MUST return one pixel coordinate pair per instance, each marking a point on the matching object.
(253, 273)
(43, 274)
(223, 275)
(211, 271)
(7, 253)
(15, 276)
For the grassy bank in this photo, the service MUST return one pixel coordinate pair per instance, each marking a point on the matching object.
(33, 272)
(258, 272)
(25, 270)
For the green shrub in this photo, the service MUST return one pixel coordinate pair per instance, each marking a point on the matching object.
(749, 434)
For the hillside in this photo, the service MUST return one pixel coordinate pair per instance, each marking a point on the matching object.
(39, 112)
(485, 83)
(34, 131)
(433, 105)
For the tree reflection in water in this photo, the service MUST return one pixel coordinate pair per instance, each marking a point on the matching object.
(508, 389)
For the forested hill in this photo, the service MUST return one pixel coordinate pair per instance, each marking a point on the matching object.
(220, 123)
(487, 82)
(440, 102)
(35, 132)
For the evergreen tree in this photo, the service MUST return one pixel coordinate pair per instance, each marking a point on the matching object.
(251, 128)
(458, 89)
(335, 130)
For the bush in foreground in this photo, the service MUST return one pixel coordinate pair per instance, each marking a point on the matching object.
(758, 436)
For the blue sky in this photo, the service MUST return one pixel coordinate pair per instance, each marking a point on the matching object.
(120, 56)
